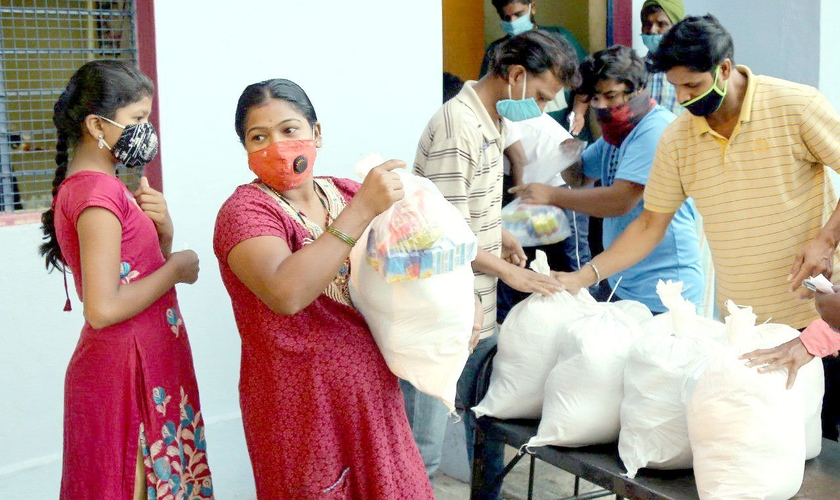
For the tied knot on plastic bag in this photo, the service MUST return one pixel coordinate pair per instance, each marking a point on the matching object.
(683, 311)
(540, 264)
(740, 326)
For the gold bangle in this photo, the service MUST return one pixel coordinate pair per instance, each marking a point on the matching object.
(341, 235)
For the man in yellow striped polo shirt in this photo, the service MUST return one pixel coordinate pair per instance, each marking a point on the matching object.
(750, 152)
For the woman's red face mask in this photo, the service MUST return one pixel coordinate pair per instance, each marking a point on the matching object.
(283, 165)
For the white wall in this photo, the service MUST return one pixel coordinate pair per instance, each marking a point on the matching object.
(374, 86)
(779, 38)
(829, 42)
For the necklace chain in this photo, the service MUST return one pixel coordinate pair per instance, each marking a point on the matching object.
(338, 289)
(298, 212)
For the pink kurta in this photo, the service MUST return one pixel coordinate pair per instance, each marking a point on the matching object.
(133, 380)
(323, 415)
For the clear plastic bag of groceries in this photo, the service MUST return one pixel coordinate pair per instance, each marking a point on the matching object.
(535, 225)
(419, 236)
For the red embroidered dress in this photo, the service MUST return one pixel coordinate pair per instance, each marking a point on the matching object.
(133, 381)
(323, 415)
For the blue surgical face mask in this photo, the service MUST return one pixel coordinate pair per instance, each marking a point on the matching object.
(521, 25)
(652, 41)
(516, 111)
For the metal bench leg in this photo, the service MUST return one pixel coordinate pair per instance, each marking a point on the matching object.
(531, 478)
(479, 476)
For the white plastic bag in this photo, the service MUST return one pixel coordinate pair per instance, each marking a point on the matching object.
(535, 225)
(810, 382)
(554, 152)
(654, 432)
(529, 343)
(583, 392)
(747, 431)
(419, 236)
(422, 326)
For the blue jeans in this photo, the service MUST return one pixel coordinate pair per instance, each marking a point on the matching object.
(494, 448)
(427, 416)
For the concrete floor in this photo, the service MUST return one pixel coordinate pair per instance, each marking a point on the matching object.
(233, 479)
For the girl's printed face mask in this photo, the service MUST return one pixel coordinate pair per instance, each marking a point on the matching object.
(285, 164)
(137, 145)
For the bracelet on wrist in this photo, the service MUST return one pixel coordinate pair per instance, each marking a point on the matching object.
(341, 235)
(597, 273)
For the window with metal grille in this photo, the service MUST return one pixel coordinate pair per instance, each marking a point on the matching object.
(42, 42)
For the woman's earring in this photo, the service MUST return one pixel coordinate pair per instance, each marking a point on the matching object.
(102, 142)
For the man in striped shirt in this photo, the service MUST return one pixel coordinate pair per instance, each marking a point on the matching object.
(750, 152)
(658, 16)
(461, 153)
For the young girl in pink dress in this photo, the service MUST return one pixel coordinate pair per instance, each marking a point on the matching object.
(132, 420)
(323, 415)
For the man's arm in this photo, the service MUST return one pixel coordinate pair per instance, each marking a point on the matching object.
(631, 246)
(515, 154)
(613, 201)
(820, 132)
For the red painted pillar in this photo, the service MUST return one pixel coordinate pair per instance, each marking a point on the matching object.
(623, 22)
(147, 55)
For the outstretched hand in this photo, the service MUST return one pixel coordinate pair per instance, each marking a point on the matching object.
(533, 193)
(791, 355)
(570, 282)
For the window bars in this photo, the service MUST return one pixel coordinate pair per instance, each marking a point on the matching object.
(42, 42)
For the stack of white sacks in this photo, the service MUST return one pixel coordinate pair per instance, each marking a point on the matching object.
(671, 389)
(750, 436)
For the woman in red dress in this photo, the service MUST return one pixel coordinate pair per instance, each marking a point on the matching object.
(132, 420)
(323, 415)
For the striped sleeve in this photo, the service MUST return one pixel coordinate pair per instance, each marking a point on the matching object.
(821, 132)
(664, 192)
(450, 161)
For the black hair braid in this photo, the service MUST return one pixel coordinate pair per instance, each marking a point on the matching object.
(50, 249)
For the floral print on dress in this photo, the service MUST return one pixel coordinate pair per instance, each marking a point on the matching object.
(174, 321)
(176, 464)
(126, 273)
(161, 399)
